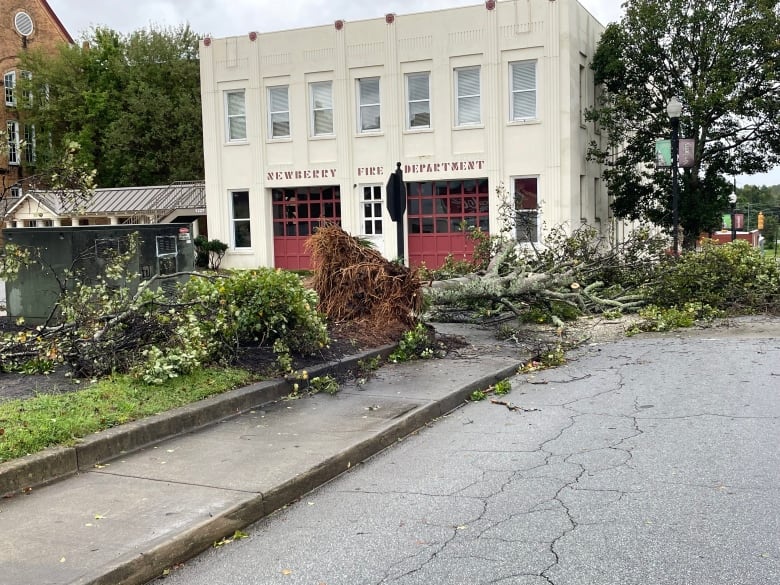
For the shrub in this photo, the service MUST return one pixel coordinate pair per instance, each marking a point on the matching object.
(733, 277)
(655, 318)
(259, 306)
(417, 343)
(209, 253)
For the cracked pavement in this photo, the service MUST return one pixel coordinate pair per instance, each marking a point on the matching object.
(650, 460)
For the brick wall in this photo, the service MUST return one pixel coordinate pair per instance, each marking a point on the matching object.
(47, 34)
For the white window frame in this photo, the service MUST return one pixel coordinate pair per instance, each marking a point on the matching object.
(366, 107)
(12, 129)
(410, 101)
(371, 206)
(280, 115)
(513, 91)
(9, 83)
(29, 144)
(236, 221)
(317, 108)
(461, 96)
(231, 116)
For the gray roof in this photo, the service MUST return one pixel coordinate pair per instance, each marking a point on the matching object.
(127, 200)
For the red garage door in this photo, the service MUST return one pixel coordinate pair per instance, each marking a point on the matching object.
(297, 213)
(437, 212)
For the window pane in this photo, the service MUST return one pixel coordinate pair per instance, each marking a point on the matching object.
(243, 236)
(322, 108)
(369, 118)
(236, 115)
(240, 205)
(523, 90)
(526, 194)
(321, 95)
(419, 115)
(418, 86)
(468, 82)
(323, 122)
(280, 125)
(369, 91)
(523, 76)
(278, 99)
(235, 102)
(468, 110)
(524, 105)
(237, 128)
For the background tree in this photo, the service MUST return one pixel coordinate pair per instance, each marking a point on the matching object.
(131, 101)
(721, 58)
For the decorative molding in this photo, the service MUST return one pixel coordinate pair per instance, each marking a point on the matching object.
(465, 36)
(514, 30)
(318, 54)
(362, 49)
(276, 59)
(412, 43)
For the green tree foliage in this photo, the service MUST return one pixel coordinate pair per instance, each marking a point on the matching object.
(131, 101)
(721, 58)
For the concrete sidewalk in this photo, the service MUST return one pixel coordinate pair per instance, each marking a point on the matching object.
(121, 515)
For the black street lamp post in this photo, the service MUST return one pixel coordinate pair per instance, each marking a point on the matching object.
(674, 109)
(733, 201)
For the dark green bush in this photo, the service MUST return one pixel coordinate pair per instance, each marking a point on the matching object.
(733, 277)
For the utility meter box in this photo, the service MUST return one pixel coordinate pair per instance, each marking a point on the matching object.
(85, 251)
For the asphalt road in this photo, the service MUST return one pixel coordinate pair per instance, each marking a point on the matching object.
(652, 461)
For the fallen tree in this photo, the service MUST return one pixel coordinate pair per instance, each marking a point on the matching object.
(566, 276)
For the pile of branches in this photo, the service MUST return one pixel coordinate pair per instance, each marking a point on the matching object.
(356, 283)
(575, 273)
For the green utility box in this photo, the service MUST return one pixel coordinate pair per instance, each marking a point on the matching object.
(85, 250)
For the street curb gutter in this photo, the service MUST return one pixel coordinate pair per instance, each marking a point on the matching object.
(140, 567)
(62, 462)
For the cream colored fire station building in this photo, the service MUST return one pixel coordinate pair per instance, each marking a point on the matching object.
(303, 127)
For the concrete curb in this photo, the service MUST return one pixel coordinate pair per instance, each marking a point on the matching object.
(140, 568)
(59, 463)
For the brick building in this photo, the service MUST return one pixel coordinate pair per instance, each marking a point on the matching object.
(24, 25)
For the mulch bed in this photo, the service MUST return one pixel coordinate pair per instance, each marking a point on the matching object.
(347, 339)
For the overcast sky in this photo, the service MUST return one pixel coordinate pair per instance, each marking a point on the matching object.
(222, 18)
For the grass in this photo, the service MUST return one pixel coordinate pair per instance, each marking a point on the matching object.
(47, 420)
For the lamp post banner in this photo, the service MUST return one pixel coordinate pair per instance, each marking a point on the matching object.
(687, 153)
(663, 153)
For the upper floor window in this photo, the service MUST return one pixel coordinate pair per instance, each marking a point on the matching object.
(29, 143)
(467, 91)
(235, 107)
(27, 94)
(523, 82)
(9, 82)
(279, 111)
(369, 104)
(321, 108)
(418, 97)
(12, 129)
